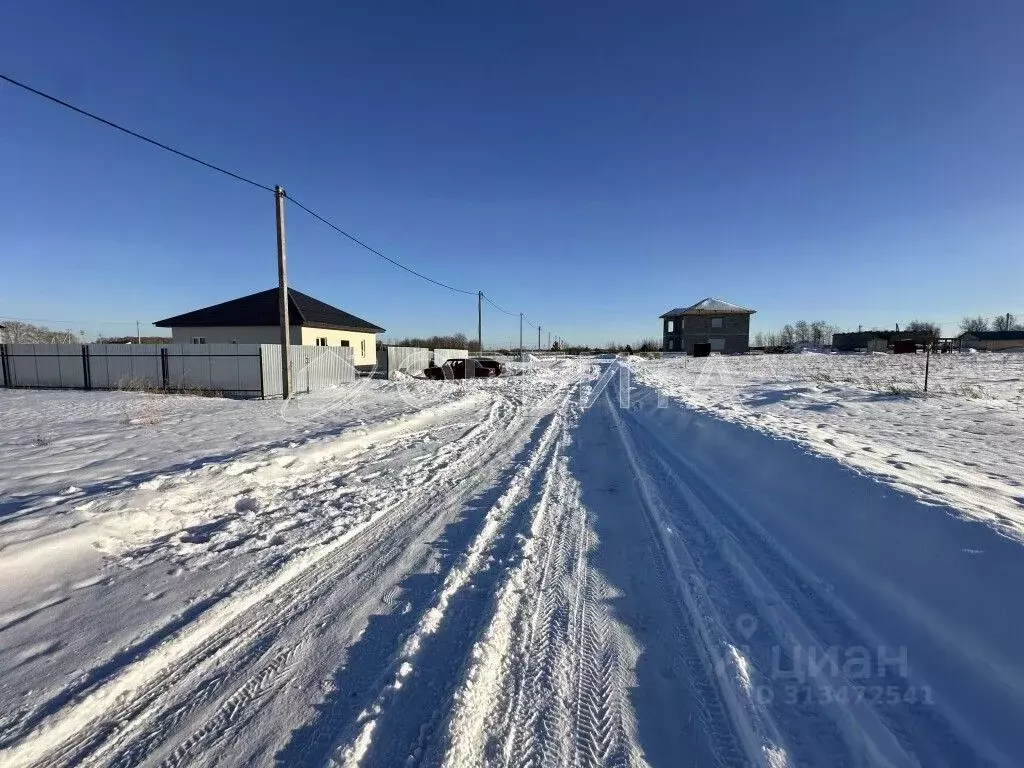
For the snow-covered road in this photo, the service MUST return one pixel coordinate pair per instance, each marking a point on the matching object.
(554, 569)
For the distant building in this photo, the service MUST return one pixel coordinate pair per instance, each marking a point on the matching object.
(876, 341)
(725, 326)
(255, 319)
(992, 341)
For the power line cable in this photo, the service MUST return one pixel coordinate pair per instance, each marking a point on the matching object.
(500, 309)
(67, 322)
(239, 177)
(137, 135)
(374, 251)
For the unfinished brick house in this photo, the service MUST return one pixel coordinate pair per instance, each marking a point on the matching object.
(725, 326)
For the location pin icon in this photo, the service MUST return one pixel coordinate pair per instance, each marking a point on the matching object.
(747, 625)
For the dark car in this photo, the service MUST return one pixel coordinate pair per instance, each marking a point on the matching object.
(465, 368)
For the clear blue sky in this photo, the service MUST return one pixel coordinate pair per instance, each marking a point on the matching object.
(591, 164)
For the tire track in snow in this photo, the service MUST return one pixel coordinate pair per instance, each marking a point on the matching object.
(305, 595)
(549, 684)
(451, 484)
(475, 558)
(752, 721)
(201, 646)
(792, 608)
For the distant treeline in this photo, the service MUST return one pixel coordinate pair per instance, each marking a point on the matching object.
(454, 341)
(134, 340)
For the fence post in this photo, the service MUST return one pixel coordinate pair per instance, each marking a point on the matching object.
(927, 360)
(5, 366)
(165, 369)
(86, 369)
(263, 386)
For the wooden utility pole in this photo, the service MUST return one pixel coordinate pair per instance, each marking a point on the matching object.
(549, 339)
(138, 333)
(480, 322)
(282, 298)
(520, 337)
(538, 338)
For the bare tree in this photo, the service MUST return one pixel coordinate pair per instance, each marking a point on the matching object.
(819, 330)
(759, 339)
(788, 335)
(802, 331)
(453, 341)
(974, 324)
(1007, 322)
(931, 330)
(18, 332)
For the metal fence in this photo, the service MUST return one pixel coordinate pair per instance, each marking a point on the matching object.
(313, 368)
(410, 360)
(235, 370)
(440, 355)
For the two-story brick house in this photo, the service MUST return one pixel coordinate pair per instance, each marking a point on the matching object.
(723, 325)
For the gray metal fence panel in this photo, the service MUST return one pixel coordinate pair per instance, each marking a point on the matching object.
(440, 355)
(45, 365)
(124, 366)
(245, 370)
(410, 360)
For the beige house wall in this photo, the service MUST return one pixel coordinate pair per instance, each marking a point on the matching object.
(364, 345)
(232, 334)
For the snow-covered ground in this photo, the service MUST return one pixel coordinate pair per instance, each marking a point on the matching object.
(961, 445)
(521, 571)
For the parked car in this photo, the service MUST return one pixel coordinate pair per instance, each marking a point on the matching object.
(465, 368)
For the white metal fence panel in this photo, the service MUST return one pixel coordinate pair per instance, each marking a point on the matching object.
(313, 368)
(270, 368)
(440, 355)
(407, 359)
(316, 368)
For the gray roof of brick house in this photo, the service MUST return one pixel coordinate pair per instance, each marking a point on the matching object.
(709, 306)
(262, 309)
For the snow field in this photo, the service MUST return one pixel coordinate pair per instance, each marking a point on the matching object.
(520, 572)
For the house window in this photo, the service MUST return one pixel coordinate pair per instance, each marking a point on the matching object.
(716, 322)
(682, 323)
(198, 339)
(671, 326)
(343, 343)
(362, 348)
(717, 345)
(322, 341)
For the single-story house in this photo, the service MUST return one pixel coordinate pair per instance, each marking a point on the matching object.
(725, 326)
(876, 340)
(255, 319)
(992, 341)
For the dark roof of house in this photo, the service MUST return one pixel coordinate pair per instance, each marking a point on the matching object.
(262, 309)
(994, 335)
(710, 306)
